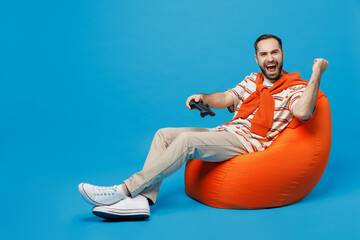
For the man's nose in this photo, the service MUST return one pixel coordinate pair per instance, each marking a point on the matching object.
(270, 58)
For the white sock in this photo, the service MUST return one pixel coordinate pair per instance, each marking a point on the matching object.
(120, 192)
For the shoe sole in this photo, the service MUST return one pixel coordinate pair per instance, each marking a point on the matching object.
(124, 215)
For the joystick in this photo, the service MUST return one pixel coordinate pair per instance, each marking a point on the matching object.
(204, 108)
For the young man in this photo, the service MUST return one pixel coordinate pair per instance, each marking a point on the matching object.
(264, 104)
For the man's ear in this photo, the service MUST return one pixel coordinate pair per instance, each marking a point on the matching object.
(283, 53)
(256, 59)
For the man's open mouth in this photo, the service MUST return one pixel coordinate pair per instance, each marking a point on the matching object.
(271, 67)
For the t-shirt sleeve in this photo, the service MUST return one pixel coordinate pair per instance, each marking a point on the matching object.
(237, 92)
(295, 95)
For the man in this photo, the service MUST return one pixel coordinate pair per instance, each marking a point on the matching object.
(264, 104)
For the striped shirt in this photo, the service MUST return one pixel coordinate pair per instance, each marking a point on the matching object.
(284, 102)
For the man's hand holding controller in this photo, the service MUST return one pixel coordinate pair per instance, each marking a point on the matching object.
(196, 101)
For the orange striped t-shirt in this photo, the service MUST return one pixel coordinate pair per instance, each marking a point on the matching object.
(284, 102)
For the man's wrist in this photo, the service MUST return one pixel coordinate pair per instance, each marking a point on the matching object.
(315, 77)
(317, 73)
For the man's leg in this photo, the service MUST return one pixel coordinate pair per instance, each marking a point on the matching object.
(161, 141)
(204, 145)
(97, 195)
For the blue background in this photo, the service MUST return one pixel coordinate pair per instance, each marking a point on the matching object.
(84, 85)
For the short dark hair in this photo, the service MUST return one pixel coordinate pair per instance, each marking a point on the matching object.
(266, 36)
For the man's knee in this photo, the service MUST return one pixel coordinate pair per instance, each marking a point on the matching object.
(162, 132)
(170, 133)
(165, 135)
(186, 138)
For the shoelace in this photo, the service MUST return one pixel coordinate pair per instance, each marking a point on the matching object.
(100, 191)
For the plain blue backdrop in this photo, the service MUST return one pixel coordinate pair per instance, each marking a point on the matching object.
(84, 85)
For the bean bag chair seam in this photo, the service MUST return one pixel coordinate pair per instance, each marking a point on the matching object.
(222, 181)
(308, 167)
(311, 165)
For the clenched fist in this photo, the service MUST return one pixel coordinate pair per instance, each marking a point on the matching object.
(320, 65)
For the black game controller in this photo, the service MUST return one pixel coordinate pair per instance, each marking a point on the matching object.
(204, 108)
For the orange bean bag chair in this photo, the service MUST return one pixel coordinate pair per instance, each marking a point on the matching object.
(282, 174)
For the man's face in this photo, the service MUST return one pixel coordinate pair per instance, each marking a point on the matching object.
(270, 57)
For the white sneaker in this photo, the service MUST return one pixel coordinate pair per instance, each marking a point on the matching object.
(136, 208)
(101, 195)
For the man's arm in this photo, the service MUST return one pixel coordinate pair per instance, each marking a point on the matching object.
(215, 100)
(305, 106)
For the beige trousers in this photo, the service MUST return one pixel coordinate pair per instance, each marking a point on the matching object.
(172, 147)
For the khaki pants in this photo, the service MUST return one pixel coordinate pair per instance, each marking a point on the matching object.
(172, 147)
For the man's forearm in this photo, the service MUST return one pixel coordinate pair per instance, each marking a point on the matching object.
(217, 99)
(305, 107)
